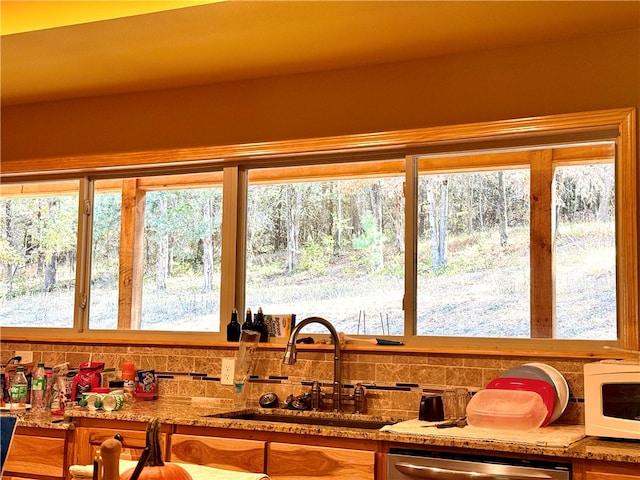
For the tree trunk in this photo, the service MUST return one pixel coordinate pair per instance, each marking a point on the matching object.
(50, 271)
(603, 213)
(294, 199)
(375, 197)
(207, 248)
(469, 204)
(9, 230)
(438, 200)
(338, 246)
(162, 261)
(398, 219)
(502, 209)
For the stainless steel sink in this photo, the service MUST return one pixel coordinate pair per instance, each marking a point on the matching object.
(346, 421)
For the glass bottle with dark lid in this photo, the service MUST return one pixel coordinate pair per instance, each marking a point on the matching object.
(233, 328)
(248, 321)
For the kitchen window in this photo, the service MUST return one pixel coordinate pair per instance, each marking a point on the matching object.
(333, 246)
(525, 249)
(468, 226)
(169, 260)
(38, 254)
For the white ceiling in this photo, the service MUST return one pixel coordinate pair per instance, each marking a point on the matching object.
(241, 40)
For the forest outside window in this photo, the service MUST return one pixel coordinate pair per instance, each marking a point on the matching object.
(38, 254)
(332, 247)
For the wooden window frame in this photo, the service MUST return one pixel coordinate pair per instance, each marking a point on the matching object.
(542, 163)
(233, 161)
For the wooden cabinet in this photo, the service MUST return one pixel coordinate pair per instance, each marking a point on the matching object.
(282, 455)
(37, 453)
(282, 461)
(227, 453)
(597, 470)
(90, 436)
(287, 461)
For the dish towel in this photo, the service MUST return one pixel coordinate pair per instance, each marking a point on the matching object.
(197, 472)
(550, 436)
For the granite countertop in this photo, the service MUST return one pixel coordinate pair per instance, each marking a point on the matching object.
(43, 420)
(194, 414)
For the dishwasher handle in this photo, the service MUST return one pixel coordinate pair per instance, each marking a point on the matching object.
(437, 473)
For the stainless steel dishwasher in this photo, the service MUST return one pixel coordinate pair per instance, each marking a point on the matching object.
(404, 464)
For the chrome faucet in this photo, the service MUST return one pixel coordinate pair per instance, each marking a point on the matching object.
(291, 352)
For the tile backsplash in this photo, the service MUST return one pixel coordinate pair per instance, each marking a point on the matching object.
(395, 381)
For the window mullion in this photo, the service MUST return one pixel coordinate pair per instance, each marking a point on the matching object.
(131, 256)
(233, 192)
(83, 254)
(409, 303)
(542, 234)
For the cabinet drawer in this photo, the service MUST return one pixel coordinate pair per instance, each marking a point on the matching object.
(226, 453)
(89, 439)
(293, 462)
(38, 456)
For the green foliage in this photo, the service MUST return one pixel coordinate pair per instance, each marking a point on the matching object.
(393, 265)
(9, 254)
(316, 257)
(372, 241)
(106, 233)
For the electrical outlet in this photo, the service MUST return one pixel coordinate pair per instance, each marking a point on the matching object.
(228, 367)
(27, 356)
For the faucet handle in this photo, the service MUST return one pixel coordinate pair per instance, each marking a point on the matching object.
(360, 399)
(316, 396)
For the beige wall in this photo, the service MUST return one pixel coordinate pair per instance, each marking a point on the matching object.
(571, 76)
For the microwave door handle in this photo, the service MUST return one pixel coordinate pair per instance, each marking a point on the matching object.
(436, 473)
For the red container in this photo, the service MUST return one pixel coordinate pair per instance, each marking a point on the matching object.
(542, 388)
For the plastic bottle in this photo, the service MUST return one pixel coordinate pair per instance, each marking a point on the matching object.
(248, 321)
(233, 329)
(18, 391)
(57, 394)
(129, 376)
(38, 388)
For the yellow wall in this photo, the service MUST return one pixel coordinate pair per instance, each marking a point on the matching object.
(571, 76)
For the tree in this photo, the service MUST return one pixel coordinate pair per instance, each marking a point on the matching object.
(502, 209)
(162, 256)
(372, 241)
(437, 193)
(207, 246)
(294, 207)
(57, 231)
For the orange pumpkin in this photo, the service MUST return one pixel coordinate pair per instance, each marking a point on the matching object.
(154, 467)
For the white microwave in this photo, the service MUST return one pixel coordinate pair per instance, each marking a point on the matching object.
(612, 399)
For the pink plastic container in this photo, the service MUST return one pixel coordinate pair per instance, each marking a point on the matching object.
(506, 410)
(542, 388)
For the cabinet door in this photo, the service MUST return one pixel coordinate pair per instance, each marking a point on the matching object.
(596, 470)
(89, 439)
(225, 453)
(292, 462)
(609, 476)
(36, 456)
